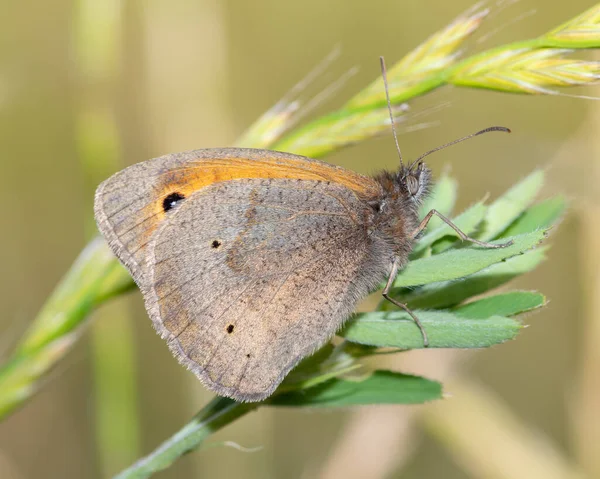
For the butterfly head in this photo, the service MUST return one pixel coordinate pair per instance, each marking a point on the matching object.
(414, 181)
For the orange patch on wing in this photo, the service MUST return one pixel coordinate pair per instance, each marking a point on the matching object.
(189, 179)
(208, 172)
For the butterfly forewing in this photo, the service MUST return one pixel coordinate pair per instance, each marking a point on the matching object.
(132, 204)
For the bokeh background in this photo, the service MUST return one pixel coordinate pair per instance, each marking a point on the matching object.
(87, 87)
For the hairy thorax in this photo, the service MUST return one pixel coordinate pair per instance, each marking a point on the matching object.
(396, 209)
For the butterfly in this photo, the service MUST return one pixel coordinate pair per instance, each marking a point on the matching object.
(250, 260)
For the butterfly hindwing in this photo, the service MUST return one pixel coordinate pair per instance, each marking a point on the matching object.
(249, 276)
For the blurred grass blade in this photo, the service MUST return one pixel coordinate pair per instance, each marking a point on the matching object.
(508, 207)
(489, 441)
(531, 66)
(504, 304)
(74, 297)
(444, 330)
(582, 31)
(584, 397)
(450, 293)
(215, 415)
(337, 131)
(381, 387)
(54, 330)
(417, 72)
(541, 215)
(20, 376)
(117, 281)
(461, 262)
(269, 127)
(536, 66)
(285, 113)
(467, 222)
(96, 275)
(525, 70)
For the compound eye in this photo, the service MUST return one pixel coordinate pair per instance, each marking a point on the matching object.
(412, 184)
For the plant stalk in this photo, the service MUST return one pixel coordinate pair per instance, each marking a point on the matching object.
(217, 414)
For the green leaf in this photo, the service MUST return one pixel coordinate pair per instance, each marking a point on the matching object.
(460, 262)
(539, 216)
(510, 205)
(449, 293)
(445, 243)
(505, 304)
(382, 387)
(467, 221)
(313, 362)
(309, 367)
(442, 198)
(444, 329)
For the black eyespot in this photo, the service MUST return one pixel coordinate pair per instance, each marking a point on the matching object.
(230, 328)
(171, 201)
(216, 244)
(247, 355)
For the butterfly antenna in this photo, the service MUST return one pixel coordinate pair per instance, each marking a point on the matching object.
(486, 130)
(389, 104)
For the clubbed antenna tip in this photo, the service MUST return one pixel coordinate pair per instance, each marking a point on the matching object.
(480, 132)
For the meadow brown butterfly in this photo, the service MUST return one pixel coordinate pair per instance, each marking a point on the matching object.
(250, 260)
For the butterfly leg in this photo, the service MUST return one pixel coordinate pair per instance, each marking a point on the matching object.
(460, 234)
(386, 295)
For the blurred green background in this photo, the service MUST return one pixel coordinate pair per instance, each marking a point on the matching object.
(87, 87)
